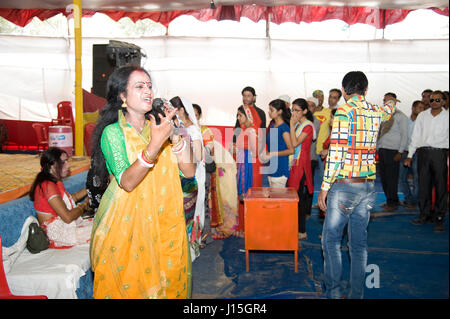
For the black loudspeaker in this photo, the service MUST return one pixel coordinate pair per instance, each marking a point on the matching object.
(107, 58)
(102, 67)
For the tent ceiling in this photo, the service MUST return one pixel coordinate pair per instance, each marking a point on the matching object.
(164, 5)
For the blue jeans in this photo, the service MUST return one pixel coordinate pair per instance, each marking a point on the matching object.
(347, 204)
(265, 179)
(411, 196)
(320, 167)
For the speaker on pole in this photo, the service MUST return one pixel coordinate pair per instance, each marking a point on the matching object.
(107, 58)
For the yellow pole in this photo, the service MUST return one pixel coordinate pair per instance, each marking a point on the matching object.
(77, 10)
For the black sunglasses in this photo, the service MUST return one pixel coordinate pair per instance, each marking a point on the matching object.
(437, 100)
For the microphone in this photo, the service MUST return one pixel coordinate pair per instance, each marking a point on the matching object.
(158, 107)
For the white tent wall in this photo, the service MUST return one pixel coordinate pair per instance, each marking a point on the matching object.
(37, 72)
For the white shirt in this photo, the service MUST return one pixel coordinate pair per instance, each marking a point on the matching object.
(429, 130)
(397, 136)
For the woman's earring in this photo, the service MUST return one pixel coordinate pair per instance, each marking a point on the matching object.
(124, 104)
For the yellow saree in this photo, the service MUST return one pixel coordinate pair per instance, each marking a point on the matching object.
(139, 246)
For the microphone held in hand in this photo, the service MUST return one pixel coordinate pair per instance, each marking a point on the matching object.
(157, 108)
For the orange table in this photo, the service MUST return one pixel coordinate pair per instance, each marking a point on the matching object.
(271, 220)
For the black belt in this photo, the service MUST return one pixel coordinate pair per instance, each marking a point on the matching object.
(354, 180)
(429, 148)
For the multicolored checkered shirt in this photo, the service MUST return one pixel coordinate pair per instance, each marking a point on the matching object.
(353, 140)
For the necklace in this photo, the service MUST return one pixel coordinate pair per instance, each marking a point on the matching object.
(138, 128)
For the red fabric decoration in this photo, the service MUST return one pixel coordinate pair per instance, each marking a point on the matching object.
(378, 18)
(162, 17)
(23, 17)
(443, 11)
(350, 15)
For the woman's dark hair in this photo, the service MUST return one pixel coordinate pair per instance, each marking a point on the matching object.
(48, 158)
(198, 108)
(176, 102)
(355, 82)
(241, 109)
(116, 85)
(278, 105)
(304, 106)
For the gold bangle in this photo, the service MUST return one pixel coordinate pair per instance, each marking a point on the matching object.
(148, 157)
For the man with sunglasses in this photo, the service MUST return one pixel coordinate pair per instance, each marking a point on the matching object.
(430, 140)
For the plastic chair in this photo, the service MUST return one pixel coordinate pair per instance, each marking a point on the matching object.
(5, 293)
(41, 135)
(65, 115)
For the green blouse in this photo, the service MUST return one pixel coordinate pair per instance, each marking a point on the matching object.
(113, 147)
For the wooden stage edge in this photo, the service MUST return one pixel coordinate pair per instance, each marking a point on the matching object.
(22, 191)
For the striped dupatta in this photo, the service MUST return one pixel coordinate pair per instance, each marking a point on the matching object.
(299, 127)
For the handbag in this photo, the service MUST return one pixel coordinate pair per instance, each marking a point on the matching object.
(37, 239)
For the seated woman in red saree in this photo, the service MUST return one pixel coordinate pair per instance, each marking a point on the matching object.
(56, 209)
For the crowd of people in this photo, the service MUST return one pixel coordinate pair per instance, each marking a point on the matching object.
(161, 186)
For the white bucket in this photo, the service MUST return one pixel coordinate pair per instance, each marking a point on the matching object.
(62, 137)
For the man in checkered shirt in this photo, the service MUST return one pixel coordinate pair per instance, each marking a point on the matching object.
(348, 182)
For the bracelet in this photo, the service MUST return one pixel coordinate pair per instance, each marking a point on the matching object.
(146, 156)
(143, 162)
(173, 144)
(146, 159)
(177, 144)
(176, 149)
